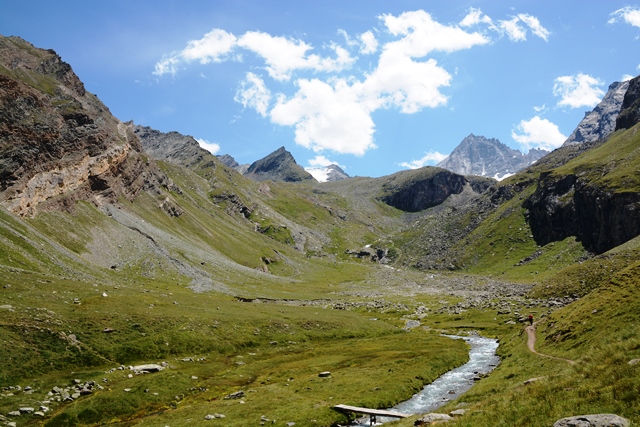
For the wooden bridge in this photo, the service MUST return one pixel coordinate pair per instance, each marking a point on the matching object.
(373, 413)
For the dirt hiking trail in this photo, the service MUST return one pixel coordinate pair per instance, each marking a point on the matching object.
(531, 343)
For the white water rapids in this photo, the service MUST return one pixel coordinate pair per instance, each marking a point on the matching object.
(482, 360)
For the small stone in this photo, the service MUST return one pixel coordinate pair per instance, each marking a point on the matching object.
(324, 374)
(38, 414)
(127, 390)
(14, 414)
(594, 420)
(458, 412)
(634, 362)
(209, 417)
(26, 410)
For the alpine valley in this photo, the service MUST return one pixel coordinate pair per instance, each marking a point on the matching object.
(147, 282)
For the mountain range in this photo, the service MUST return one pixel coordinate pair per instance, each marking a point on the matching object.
(146, 281)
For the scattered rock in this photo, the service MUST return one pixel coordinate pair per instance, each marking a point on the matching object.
(237, 395)
(324, 374)
(432, 419)
(149, 368)
(458, 412)
(14, 414)
(634, 362)
(26, 410)
(594, 420)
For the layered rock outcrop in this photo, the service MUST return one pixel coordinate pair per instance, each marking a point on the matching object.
(58, 142)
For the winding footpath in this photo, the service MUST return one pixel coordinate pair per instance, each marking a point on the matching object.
(531, 343)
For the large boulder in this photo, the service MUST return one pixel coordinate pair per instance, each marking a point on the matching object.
(595, 420)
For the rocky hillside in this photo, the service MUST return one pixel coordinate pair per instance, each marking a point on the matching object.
(477, 155)
(330, 173)
(601, 121)
(58, 142)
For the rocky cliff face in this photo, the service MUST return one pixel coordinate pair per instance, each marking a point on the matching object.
(58, 142)
(630, 109)
(278, 166)
(477, 155)
(566, 205)
(420, 189)
(601, 121)
(228, 160)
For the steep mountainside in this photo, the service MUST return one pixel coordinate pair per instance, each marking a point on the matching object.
(58, 142)
(601, 121)
(477, 155)
(231, 162)
(278, 166)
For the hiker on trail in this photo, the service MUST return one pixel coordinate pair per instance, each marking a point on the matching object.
(530, 319)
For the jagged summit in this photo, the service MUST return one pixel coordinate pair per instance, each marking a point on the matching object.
(601, 121)
(278, 166)
(477, 155)
(630, 108)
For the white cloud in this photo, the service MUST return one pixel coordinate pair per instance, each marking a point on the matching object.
(535, 26)
(538, 133)
(327, 117)
(333, 111)
(626, 77)
(474, 17)
(430, 158)
(578, 91)
(629, 14)
(369, 43)
(283, 55)
(213, 47)
(254, 93)
(323, 162)
(517, 33)
(211, 147)
(540, 109)
(422, 35)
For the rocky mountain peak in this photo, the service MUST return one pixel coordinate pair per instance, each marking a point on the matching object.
(601, 121)
(278, 166)
(630, 108)
(481, 156)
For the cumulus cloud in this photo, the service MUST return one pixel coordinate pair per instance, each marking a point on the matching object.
(327, 100)
(211, 147)
(369, 43)
(628, 14)
(626, 77)
(538, 133)
(430, 158)
(578, 91)
(516, 32)
(254, 93)
(327, 117)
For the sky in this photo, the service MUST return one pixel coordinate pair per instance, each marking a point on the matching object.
(372, 86)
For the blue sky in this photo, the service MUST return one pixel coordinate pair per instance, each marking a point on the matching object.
(374, 86)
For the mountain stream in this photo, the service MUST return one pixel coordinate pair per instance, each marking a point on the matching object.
(482, 360)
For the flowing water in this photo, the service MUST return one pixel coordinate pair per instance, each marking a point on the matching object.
(482, 360)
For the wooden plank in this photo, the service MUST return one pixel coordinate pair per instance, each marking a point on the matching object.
(368, 411)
